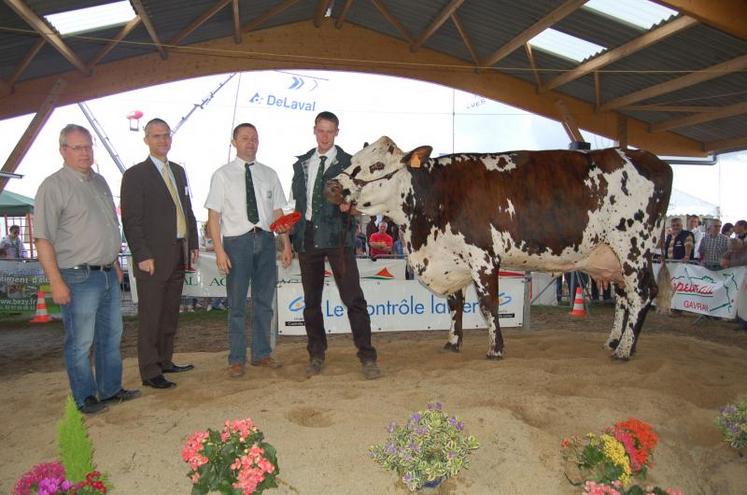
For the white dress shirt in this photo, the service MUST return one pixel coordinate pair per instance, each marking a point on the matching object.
(331, 154)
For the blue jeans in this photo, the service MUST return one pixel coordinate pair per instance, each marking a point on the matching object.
(93, 318)
(252, 257)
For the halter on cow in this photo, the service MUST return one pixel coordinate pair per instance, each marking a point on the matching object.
(465, 215)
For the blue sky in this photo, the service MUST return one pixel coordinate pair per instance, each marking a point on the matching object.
(283, 105)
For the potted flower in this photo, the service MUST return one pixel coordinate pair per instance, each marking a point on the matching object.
(732, 421)
(430, 447)
(233, 461)
(621, 453)
(616, 488)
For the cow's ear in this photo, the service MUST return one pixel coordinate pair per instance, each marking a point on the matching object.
(416, 157)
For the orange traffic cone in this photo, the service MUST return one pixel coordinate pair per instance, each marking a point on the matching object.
(41, 309)
(578, 305)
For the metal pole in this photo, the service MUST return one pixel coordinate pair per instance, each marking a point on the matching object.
(102, 136)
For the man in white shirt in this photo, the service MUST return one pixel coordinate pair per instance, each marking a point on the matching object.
(245, 198)
(11, 247)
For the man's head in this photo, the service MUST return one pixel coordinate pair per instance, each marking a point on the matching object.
(676, 225)
(246, 141)
(382, 227)
(76, 147)
(740, 228)
(158, 138)
(14, 231)
(714, 228)
(326, 128)
(693, 222)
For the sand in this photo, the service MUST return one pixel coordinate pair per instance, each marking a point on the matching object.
(555, 381)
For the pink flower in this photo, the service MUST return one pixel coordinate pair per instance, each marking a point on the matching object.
(593, 488)
(195, 478)
(266, 466)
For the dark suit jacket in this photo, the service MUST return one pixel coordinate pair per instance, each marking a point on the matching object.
(149, 216)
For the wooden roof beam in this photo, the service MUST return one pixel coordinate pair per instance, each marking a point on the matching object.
(437, 23)
(26, 61)
(568, 121)
(465, 38)
(202, 19)
(725, 144)
(236, 22)
(140, 11)
(718, 70)
(321, 10)
(565, 9)
(343, 14)
(261, 19)
(33, 129)
(126, 30)
(629, 48)
(51, 37)
(699, 118)
(533, 65)
(393, 21)
(723, 15)
(671, 108)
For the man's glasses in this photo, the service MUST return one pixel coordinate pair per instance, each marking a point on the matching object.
(79, 147)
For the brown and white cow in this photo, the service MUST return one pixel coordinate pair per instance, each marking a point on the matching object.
(465, 215)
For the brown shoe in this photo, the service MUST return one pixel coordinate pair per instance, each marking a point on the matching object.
(267, 362)
(236, 370)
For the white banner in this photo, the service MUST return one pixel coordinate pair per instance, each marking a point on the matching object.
(396, 305)
(699, 290)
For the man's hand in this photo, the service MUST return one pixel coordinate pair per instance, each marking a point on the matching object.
(148, 266)
(195, 255)
(283, 229)
(222, 262)
(286, 257)
(119, 272)
(349, 208)
(60, 293)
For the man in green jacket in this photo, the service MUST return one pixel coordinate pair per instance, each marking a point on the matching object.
(326, 231)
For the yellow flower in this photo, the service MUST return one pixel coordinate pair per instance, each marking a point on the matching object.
(615, 452)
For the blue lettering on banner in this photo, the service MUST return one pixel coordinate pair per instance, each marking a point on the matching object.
(439, 306)
(405, 307)
(284, 102)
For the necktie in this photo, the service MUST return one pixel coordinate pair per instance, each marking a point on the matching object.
(181, 223)
(252, 213)
(316, 199)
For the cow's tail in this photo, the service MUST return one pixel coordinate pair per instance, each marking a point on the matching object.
(664, 293)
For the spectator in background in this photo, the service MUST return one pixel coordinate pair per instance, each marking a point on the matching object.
(727, 229)
(694, 226)
(679, 243)
(360, 241)
(736, 252)
(380, 243)
(11, 247)
(713, 247)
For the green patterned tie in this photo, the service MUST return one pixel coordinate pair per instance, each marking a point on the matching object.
(317, 199)
(251, 201)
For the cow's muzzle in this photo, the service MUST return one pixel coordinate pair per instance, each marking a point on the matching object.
(333, 192)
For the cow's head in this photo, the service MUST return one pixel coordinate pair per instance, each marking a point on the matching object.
(375, 176)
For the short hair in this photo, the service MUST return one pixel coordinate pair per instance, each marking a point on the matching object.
(153, 122)
(384, 222)
(73, 128)
(741, 223)
(327, 116)
(14, 227)
(241, 126)
(726, 227)
(675, 220)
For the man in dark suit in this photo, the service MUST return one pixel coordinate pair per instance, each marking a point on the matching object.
(162, 234)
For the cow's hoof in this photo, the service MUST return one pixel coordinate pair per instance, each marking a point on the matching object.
(451, 347)
(620, 359)
(612, 344)
(494, 357)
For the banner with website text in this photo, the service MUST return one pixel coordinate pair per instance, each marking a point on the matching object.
(19, 283)
(699, 290)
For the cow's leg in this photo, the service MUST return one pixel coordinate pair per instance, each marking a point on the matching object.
(634, 301)
(487, 295)
(456, 310)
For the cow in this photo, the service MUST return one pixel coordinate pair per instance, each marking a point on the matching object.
(464, 215)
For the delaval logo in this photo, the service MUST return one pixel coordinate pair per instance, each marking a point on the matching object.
(296, 305)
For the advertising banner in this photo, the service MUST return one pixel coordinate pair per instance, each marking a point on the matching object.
(19, 283)
(699, 290)
(396, 305)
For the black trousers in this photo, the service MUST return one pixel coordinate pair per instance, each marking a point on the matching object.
(345, 271)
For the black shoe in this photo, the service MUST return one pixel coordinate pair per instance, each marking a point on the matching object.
(175, 368)
(122, 396)
(91, 405)
(158, 382)
(314, 367)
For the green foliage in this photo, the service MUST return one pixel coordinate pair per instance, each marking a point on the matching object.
(73, 443)
(429, 447)
(732, 422)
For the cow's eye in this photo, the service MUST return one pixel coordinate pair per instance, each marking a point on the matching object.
(376, 166)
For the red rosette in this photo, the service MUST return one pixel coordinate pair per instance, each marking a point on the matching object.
(288, 221)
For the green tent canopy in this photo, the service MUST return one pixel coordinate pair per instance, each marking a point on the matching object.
(15, 205)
